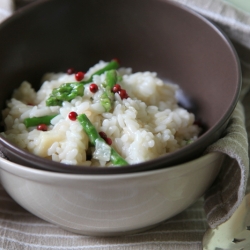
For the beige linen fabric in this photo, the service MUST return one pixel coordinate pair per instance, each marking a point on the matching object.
(6, 9)
(20, 229)
(227, 192)
(234, 22)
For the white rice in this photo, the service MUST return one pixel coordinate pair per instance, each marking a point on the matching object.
(144, 126)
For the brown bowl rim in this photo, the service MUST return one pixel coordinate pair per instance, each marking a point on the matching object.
(159, 162)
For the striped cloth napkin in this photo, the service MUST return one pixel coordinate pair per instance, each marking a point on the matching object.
(20, 229)
(6, 9)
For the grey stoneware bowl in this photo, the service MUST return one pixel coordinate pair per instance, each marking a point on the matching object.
(147, 35)
(111, 204)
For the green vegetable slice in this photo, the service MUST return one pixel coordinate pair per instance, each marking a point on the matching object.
(93, 135)
(35, 121)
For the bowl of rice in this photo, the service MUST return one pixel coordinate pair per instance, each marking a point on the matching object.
(107, 110)
(108, 87)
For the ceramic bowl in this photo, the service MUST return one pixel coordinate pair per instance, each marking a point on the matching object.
(147, 35)
(109, 205)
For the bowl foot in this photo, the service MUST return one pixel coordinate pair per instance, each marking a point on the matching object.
(111, 233)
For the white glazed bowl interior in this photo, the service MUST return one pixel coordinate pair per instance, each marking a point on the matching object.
(108, 205)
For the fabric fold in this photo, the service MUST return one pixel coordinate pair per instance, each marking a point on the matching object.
(228, 191)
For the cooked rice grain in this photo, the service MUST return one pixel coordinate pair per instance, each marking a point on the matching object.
(146, 125)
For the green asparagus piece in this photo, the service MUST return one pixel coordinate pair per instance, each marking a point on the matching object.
(111, 65)
(190, 141)
(116, 159)
(69, 91)
(66, 92)
(89, 128)
(110, 79)
(35, 121)
(107, 98)
(93, 135)
(120, 78)
(105, 102)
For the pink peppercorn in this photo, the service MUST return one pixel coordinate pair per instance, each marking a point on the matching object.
(72, 116)
(79, 76)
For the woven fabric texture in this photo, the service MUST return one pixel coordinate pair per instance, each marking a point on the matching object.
(20, 229)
